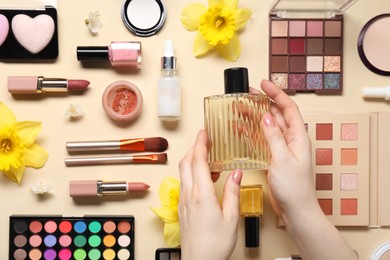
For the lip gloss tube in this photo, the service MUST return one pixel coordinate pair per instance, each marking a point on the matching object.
(99, 188)
(119, 53)
(39, 84)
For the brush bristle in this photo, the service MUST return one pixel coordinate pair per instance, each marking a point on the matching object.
(162, 157)
(156, 144)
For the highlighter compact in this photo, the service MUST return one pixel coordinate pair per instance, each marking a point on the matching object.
(144, 17)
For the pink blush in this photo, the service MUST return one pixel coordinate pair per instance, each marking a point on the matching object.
(4, 28)
(123, 101)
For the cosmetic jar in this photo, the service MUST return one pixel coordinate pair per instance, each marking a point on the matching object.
(122, 101)
(382, 252)
(232, 122)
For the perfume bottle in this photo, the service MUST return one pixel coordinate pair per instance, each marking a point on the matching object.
(251, 208)
(169, 93)
(232, 122)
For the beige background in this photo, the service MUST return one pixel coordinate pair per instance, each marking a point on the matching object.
(199, 78)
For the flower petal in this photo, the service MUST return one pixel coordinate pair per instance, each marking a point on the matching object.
(190, 16)
(167, 185)
(213, 3)
(242, 16)
(201, 46)
(6, 116)
(28, 131)
(166, 214)
(172, 234)
(230, 4)
(15, 174)
(230, 51)
(35, 156)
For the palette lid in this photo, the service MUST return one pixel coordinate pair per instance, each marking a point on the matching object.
(31, 4)
(314, 8)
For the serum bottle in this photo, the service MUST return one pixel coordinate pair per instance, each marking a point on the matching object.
(232, 122)
(169, 93)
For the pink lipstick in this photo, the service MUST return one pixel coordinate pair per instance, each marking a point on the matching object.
(38, 85)
(98, 188)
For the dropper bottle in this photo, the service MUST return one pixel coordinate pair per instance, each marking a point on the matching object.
(169, 93)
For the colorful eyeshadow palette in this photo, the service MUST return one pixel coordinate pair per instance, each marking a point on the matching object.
(306, 54)
(57, 237)
(168, 254)
(341, 165)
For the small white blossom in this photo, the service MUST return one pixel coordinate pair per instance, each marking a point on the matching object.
(74, 111)
(40, 188)
(93, 22)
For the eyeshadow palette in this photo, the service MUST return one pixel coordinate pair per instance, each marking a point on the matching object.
(168, 254)
(28, 33)
(341, 165)
(57, 237)
(306, 54)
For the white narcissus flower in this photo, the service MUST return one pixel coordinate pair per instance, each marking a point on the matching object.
(74, 111)
(40, 188)
(93, 22)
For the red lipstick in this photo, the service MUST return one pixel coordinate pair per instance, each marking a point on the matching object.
(39, 84)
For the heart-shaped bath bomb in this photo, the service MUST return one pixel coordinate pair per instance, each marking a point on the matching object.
(34, 34)
(4, 28)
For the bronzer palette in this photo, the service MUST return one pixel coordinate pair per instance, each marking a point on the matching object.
(306, 54)
(341, 165)
(57, 237)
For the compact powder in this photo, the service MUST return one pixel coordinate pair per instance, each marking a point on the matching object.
(373, 44)
(382, 252)
(122, 101)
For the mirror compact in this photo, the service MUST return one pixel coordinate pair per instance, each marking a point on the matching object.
(143, 17)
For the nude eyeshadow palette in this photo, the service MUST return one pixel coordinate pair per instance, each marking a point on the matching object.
(57, 237)
(168, 254)
(306, 54)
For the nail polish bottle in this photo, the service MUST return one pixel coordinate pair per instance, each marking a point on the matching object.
(232, 121)
(169, 93)
(119, 54)
(251, 208)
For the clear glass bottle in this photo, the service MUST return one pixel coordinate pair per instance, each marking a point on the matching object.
(169, 93)
(232, 122)
(251, 208)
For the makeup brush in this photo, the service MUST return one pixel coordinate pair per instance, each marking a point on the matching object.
(152, 144)
(157, 158)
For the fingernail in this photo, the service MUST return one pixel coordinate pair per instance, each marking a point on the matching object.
(237, 176)
(268, 120)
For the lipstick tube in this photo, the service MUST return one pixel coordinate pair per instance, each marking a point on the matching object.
(39, 84)
(99, 188)
(119, 54)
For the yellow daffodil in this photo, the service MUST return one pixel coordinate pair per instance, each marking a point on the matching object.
(217, 27)
(17, 145)
(168, 212)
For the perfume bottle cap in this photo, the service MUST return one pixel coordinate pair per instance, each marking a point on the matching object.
(252, 230)
(236, 80)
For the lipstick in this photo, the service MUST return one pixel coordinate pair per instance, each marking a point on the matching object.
(99, 188)
(39, 84)
(152, 144)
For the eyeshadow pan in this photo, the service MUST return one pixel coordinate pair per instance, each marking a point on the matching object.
(297, 63)
(315, 28)
(315, 63)
(349, 182)
(279, 28)
(324, 156)
(279, 79)
(333, 28)
(324, 181)
(332, 81)
(326, 206)
(349, 156)
(332, 64)
(349, 131)
(279, 46)
(332, 46)
(297, 28)
(315, 46)
(324, 131)
(296, 81)
(314, 81)
(297, 46)
(348, 206)
(279, 64)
